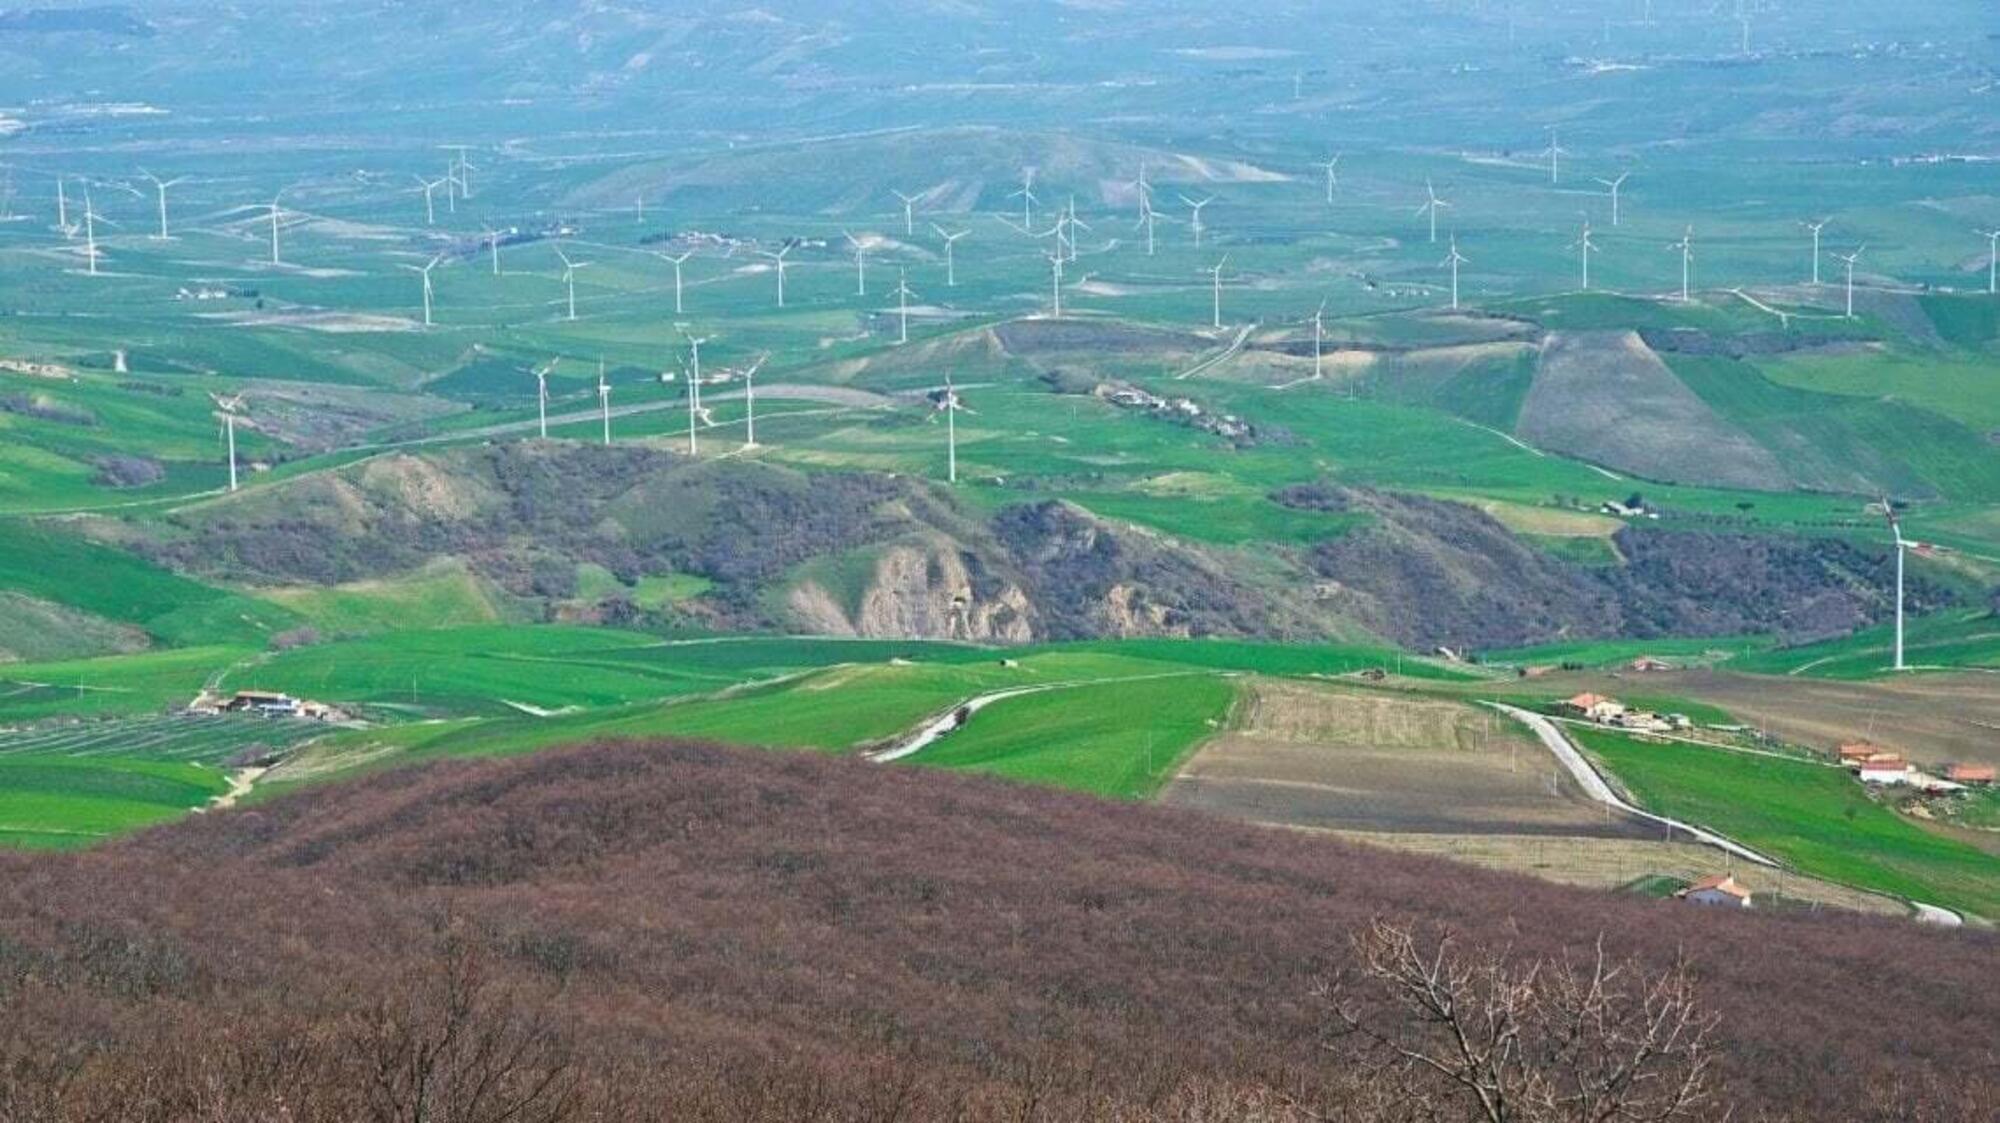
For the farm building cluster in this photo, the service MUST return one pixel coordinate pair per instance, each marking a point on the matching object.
(264, 703)
(1877, 766)
(1610, 712)
(1185, 411)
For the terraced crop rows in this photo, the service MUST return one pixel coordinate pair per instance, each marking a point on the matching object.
(164, 737)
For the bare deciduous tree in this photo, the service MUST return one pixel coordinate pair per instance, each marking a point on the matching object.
(1551, 1041)
(455, 1049)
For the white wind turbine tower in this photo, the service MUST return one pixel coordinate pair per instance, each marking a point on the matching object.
(1992, 260)
(1075, 224)
(779, 259)
(89, 233)
(229, 408)
(1144, 189)
(62, 209)
(160, 192)
(1903, 546)
(950, 405)
(1319, 341)
(1686, 246)
(1332, 169)
(429, 188)
(1147, 218)
(1816, 227)
(1454, 260)
(750, 402)
(1027, 196)
(1195, 207)
(542, 395)
(903, 295)
(1215, 278)
(1850, 260)
(860, 263)
(694, 375)
(1615, 186)
(604, 400)
(677, 262)
(1432, 205)
(1585, 245)
(276, 215)
(1055, 287)
(569, 278)
(909, 212)
(493, 248)
(425, 270)
(1555, 152)
(950, 265)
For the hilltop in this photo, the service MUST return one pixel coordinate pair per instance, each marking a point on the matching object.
(694, 933)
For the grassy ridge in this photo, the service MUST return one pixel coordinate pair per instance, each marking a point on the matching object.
(1120, 740)
(1814, 817)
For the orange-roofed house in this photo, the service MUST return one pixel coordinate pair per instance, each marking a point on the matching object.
(1594, 707)
(1975, 774)
(1722, 890)
(1885, 768)
(1854, 752)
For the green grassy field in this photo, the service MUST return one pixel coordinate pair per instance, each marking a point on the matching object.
(62, 802)
(1816, 818)
(1119, 740)
(1952, 640)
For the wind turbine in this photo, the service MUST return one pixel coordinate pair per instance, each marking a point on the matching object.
(1145, 190)
(1686, 246)
(860, 263)
(1075, 224)
(1432, 205)
(429, 188)
(1027, 196)
(1585, 245)
(569, 278)
(89, 233)
(1455, 260)
(160, 191)
(229, 407)
(1332, 169)
(425, 270)
(62, 209)
(1850, 260)
(694, 356)
(1555, 152)
(1147, 218)
(1903, 546)
(903, 295)
(275, 214)
(909, 212)
(1816, 227)
(950, 241)
(458, 170)
(1319, 340)
(493, 248)
(1615, 185)
(1196, 208)
(542, 395)
(750, 401)
(779, 258)
(1992, 260)
(950, 405)
(1215, 276)
(1055, 287)
(604, 400)
(677, 262)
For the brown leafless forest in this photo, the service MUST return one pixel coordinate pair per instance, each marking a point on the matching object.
(673, 931)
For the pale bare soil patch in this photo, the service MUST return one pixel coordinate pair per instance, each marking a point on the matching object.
(1326, 757)
(1605, 863)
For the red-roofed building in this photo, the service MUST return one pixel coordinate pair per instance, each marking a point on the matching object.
(1979, 774)
(1722, 889)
